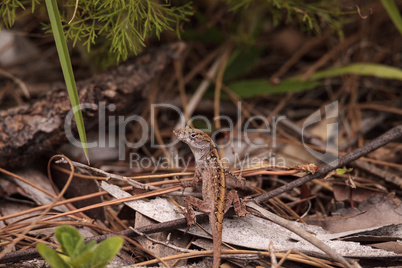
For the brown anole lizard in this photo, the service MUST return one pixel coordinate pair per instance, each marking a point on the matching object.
(216, 200)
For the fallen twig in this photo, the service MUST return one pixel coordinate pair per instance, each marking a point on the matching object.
(378, 142)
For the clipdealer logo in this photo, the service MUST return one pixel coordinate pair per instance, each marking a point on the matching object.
(330, 156)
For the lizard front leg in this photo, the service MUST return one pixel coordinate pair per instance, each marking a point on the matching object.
(196, 179)
(192, 202)
(238, 205)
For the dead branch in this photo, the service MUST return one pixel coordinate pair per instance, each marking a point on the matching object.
(378, 142)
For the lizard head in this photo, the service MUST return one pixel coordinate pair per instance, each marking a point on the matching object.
(193, 137)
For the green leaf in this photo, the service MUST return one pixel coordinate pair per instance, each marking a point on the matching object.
(341, 171)
(393, 13)
(90, 245)
(85, 257)
(106, 250)
(67, 69)
(378, 70)
(70, 240)
(67, 244)
(253, 88)
(52, 258)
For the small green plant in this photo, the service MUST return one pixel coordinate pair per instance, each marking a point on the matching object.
(114, 29)
(75, 253)
(341, 171)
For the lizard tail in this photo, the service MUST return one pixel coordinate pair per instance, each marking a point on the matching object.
(217, 253)
(217, 243)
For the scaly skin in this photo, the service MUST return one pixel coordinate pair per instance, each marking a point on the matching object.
(209, 168)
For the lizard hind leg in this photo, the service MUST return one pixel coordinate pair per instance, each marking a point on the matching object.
(239, 179)
(238, 205)
(198, 204)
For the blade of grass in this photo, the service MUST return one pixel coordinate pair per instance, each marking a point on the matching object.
(67, 69)
(261, 87)
(253, 88)
(378, 70)
(393, 12)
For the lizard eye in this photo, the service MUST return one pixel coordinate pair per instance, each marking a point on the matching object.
(193, 135)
